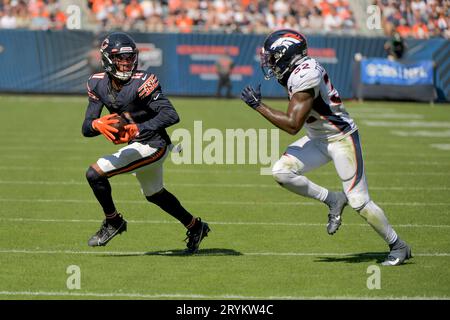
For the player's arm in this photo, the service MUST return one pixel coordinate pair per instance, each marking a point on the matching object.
(293, 119)
(93, 124)
(157, 104)
(165, 113)
(290, 121)
(93, 111)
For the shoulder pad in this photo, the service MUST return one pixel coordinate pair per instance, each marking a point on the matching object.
(304, 78)
(100, 75)
(149, 83)
(92, 83)
(139, 74)
(96, 77)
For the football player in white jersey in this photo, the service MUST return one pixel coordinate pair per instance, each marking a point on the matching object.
(331, 135)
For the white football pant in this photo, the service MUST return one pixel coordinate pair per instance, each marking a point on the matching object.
(144, 161)
(308, 154)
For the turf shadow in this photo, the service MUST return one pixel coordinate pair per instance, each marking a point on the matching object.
(355, 258)
(201, 252)
(181, 253)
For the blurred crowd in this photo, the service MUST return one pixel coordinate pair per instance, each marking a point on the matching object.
(31, 14)
(410, 18)
(225, 16)
(229, 16)
(416, 18)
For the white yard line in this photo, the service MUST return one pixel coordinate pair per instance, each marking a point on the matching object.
(80, 148)
(362, 107)
(407, 124)
(203, 170)
(206, 296)
(390, 161)
(206, 185)
(250, 223)
(371, 162)
(441, 146)
(250, 203)
(387, 116)
(143, 253)
(422, 133)
(414, 163)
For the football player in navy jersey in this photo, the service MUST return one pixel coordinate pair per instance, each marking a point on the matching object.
(145, 112)
(331, 135)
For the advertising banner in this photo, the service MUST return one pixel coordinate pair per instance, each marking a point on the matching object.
(383, 71)
(186, 64)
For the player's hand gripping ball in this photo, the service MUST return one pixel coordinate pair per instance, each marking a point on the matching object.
(120, 126)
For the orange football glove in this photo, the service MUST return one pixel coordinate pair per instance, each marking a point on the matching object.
(102, 125)
(131, 131)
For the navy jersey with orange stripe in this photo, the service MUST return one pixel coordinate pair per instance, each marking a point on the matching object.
(141, 96)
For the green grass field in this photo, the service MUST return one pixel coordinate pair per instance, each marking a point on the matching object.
(266, 243)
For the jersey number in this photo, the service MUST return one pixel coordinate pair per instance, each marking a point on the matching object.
(302, 67)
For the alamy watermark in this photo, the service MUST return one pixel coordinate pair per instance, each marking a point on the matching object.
(74, 279)
(229, 146)
(73, 17)
(374, 280)
(373, 17)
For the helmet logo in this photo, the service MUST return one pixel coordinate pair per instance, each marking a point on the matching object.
(126, 49)
(293, 35)
(105, 44)
(285, 42)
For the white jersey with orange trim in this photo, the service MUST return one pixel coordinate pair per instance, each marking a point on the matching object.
(328, 118)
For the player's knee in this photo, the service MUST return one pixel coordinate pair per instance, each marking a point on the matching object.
(92, 175)
(370, 208)
(284, 169)
(372, 213)
(156, 196)
(357, 201)
(282, 177)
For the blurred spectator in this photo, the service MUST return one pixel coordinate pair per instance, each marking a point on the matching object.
(332, 20)
(403, 29)
(94, 57)
(420, 30)
(224, 66)
(395, 47)
(40, 20)
(315, 19)
(8, 19)
(183, 22)
(22, 17)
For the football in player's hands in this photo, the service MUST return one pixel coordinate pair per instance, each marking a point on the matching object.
(120, 126)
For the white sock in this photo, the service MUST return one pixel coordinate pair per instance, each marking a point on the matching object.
(301, 185)
(375, 216)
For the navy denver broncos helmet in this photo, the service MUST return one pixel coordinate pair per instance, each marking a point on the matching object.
(281, 50)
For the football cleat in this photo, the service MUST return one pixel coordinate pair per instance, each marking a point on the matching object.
(106, 233)
(196, 235)
(335, 213)
(400, 252)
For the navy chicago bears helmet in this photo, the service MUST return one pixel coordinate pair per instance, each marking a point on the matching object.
(119, 55)
(281, 49)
